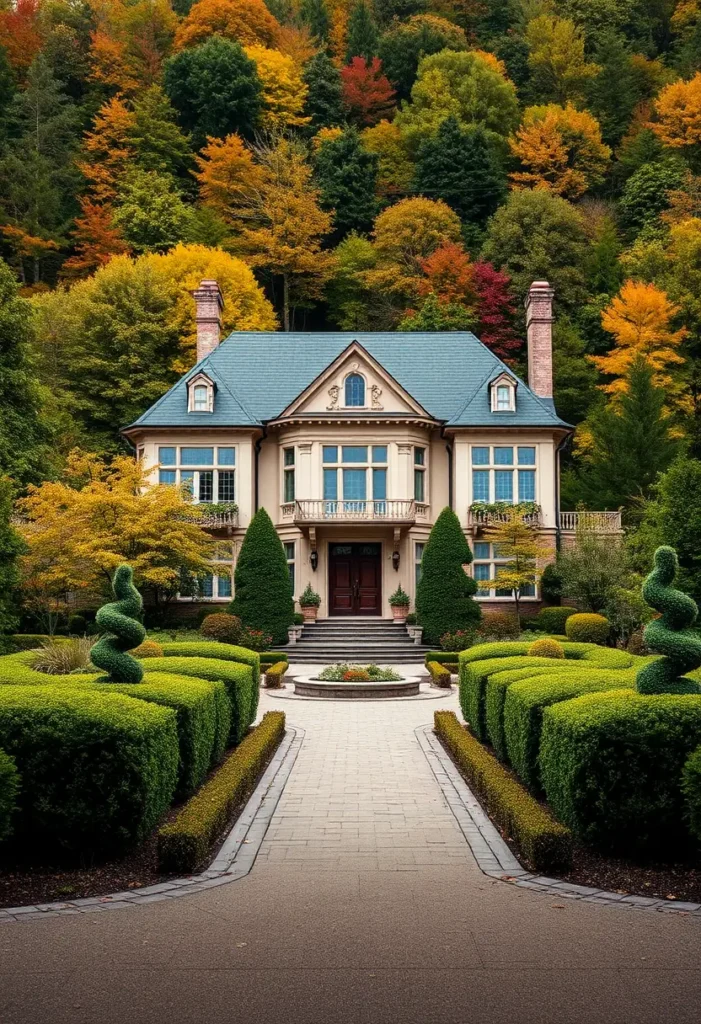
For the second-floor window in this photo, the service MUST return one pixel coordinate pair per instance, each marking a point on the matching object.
(420, 474)
(355, 390)
(205, 473)
(355, 472)
(503, 473)
(288, 473)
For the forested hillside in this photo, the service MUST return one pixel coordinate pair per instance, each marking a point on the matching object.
(355, 165)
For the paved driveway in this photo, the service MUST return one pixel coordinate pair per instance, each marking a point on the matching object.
(364, 905)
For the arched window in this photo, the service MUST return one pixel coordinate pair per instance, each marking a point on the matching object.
(355, 389)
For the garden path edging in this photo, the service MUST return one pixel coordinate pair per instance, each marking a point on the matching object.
(495, 858)
(234, 859)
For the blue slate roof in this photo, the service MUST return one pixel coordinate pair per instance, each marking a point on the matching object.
(258, 374)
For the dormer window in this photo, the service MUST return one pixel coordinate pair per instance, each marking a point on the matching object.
(503, 394)
(200, 394)
(355, 390)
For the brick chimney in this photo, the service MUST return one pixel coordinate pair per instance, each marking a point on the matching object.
(539, 332)
(209, 306)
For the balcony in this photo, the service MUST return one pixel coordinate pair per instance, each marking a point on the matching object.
(593, 522)
(314, 512)
(481, 518)
(215, 517)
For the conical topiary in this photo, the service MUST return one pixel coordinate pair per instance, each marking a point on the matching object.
(120, 621)
(445, 594)
(671, 634)
(263, 591)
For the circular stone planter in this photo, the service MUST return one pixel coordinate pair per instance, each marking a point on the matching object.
(307, 686)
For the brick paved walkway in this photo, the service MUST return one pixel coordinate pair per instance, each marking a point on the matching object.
(362, 795)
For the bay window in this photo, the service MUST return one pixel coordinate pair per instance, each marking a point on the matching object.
(503, 473)
(206, 474)
(355, 474)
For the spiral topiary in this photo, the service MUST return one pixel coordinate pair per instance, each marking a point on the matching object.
(120, 620)
(546, 648)
(671, 634)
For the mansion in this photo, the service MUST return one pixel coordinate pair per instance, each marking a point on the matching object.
(354, 443)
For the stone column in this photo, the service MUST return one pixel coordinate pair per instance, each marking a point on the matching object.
(539, 331)
(209, 305)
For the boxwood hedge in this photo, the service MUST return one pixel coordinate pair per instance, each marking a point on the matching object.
(611, 766)
(222, 652)
(9, 788)
(97, 770)
(691, 786)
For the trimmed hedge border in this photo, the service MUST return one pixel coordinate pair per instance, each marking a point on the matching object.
(447, 658)
(274, 674)
(272, 657)
(9, 788)
(224, 652)
(543, 843)
(691, 787)
(183, 844)
(440, 674)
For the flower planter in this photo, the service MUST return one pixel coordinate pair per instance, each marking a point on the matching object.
(310, 612)
(292, 635)
(400, 612)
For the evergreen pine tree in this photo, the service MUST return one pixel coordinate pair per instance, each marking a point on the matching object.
(614, 92)
(159, 143)
(631, 443)
(346, 174)
(263, 591)
(324, 103)
(445, 594)
(11, 545)
(362, 38)
(461, 167)
(315, 15)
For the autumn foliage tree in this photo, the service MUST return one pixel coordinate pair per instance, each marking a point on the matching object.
(639, 318)
(284, 91)
(367, 93)
(678, 110)
(20, 33)
(248, 22)
(560, 149)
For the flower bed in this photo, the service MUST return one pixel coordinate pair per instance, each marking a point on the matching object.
(358, 673)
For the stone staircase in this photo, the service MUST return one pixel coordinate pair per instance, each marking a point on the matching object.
(359, 640)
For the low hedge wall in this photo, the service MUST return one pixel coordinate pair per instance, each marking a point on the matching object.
(236, 677)
(97, 771)
(183, 844)
(611, 766)
(222, 652)
(9, 788)
(440, 674)
(473, 682)
(203, 717)
(525, 702)
(691, 787)
(274, 674)
(544, 844)
(272, 658)
(444, 658)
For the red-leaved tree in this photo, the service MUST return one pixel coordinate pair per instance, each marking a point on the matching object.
(496, 311)
(367, 93)
(449, 275)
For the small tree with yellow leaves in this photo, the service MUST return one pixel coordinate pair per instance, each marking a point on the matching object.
(517, 543)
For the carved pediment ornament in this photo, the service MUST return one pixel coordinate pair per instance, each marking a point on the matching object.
(375, 392)
(334, 392)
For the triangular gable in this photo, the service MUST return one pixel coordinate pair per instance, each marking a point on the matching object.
(326, 393)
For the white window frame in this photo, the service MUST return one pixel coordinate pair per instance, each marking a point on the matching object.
(421, 468)
(200, 380)
(291, 562)
(215, 469)
(493, 467)
(503, 381)
(495, 563)
(290, 469)
(228, 560)
(368, 466)
(355, 373)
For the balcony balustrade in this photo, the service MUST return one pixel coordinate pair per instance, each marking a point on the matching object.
(354, 511)
(595, 522)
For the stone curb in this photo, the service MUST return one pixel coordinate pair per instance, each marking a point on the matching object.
(234, 859)
(494, 857)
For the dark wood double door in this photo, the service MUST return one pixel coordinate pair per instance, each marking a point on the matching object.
(355, 579)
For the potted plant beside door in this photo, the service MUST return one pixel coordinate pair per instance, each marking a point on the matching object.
(309, 603)
(400, 605)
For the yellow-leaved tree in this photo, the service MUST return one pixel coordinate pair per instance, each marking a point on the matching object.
(557, 62)
(560, 149)
(678, 110)
(517, 544)
(639, 319)
(227, 175)
(80, 528)
(284, 92)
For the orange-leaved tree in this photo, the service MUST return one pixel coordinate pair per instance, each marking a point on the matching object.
(248, 22)
(367, 92)
(130, 41)
(228, 176)
(639, 319)
(678, 110)
(560, 149)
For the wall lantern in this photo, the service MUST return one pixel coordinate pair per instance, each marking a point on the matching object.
(395, 560)
(314, 559)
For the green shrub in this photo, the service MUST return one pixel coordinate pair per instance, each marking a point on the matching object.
(445, 594)
(473, 682)
(98, 769)
(255, 639)
(551, 583)
(691, 788)
(263, 591)
(31, 641)
(274, 674)
(183, 844)
(499, 626)
(553, 620)
(440, 675)
(77, 625)
(272, 657)
(203, 719)
(222, 652)
(546, 648)
(611, 766)
(524, 703)
(541, 842)
(237, 678)
(148, 649)
(9, 788)
(588, 628)
(447, 658)
(120, 621)
(460, 640)
(671, 634)
(221, 626)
